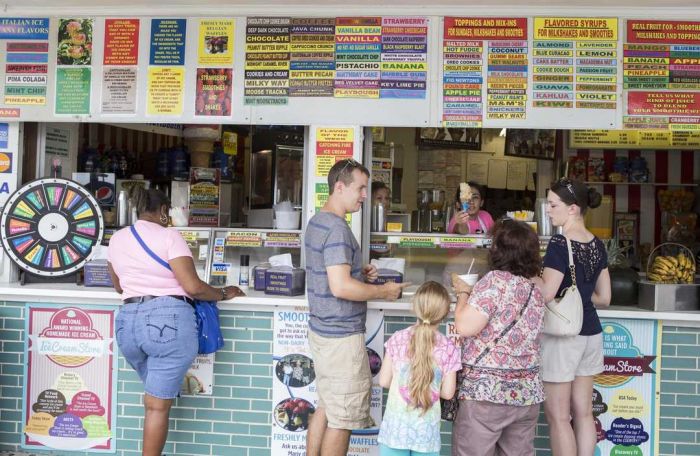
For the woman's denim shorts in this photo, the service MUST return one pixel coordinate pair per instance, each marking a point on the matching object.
(158, 338)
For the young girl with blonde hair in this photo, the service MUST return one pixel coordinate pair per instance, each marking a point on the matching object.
(420, 366)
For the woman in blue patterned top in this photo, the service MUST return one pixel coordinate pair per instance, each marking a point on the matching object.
(569, 363)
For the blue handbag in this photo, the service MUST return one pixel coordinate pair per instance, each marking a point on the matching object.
(208, 328)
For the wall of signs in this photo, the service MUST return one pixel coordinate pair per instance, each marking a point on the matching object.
(391, 70)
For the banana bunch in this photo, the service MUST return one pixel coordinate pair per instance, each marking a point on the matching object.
(672, 269)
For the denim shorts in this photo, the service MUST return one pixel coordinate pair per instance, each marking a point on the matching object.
(158, 338)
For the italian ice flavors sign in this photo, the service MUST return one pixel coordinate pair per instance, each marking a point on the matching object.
(70, 379)
(626, 395)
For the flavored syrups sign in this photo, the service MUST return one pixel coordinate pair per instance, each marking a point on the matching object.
(70, 379)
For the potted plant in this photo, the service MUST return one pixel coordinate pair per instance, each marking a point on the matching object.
(623, 279)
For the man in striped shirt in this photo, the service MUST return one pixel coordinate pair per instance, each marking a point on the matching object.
(338, 296)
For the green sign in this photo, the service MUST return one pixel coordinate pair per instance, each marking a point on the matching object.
(73, 90)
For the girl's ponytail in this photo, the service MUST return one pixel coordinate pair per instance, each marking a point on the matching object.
(430, 304)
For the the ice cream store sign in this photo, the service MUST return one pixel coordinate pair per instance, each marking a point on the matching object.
(70, 378)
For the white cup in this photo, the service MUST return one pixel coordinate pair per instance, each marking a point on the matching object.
(469, 279)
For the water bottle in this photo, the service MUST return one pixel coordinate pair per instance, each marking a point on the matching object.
(123, 208)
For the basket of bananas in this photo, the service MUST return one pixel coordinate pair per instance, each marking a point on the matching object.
(675, 266)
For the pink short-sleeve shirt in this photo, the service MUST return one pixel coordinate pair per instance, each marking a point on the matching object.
(138, 273)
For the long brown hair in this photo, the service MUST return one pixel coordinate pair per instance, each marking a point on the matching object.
(431, 304)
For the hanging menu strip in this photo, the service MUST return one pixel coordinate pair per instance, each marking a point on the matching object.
(662, 55)
(312, 57)
(575, 63)
(28, 88)
(404, 48)
(358, 40)
(463, 69)
(345, 57)
(267, 60)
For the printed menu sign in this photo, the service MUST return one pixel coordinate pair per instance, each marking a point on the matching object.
(26, 68)
(332, 145)
(312, 57)
(216, 42)
(168, 41)
(626, 395)
(404, 57)
(661, 74)
(575, 63)
(73, 90)
(344, 57)
(294, 390)
(24, 28)
(506, 66)
(204, 196)
(213, 97)
(70, 379)
(119, 90)
(121, 42)
(165, 90)
(267, 60)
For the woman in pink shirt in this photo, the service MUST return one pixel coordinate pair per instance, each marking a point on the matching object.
(473, 220)
(156, 329)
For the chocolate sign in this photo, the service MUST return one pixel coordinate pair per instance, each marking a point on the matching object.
(50, 401)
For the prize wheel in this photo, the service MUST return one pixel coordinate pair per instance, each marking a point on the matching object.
(49, 227)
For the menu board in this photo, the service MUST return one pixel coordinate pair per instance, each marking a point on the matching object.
(70, 379)
(344, 57)
(575, 63)
(478, 49)
(120, 72)
(633, 139)
(662, 74)
(205, 187)
(73, 65)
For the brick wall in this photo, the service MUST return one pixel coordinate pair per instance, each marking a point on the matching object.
(235, 420)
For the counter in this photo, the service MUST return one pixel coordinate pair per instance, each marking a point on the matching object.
(236, 419)
(259, 301)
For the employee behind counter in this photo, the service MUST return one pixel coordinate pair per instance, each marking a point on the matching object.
(473, 220)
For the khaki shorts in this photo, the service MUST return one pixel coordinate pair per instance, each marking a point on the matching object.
(564, 358)
(343, 380)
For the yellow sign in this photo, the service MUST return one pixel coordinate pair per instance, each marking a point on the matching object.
(324, 134)
(165, 90)
(230, 140)
(576, 28)
(216, 42)
(636, 139)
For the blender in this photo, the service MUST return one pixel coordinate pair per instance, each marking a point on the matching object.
(437, 211)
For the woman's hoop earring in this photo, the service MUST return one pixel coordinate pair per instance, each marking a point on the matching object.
(163, 219)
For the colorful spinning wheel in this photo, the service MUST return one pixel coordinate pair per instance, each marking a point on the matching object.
(49, 227)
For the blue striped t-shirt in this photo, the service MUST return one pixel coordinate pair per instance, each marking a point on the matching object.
(328, 241)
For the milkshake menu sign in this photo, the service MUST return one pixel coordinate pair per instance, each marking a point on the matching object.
(70, 379)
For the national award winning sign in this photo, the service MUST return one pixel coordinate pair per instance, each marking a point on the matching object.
(70, 379)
